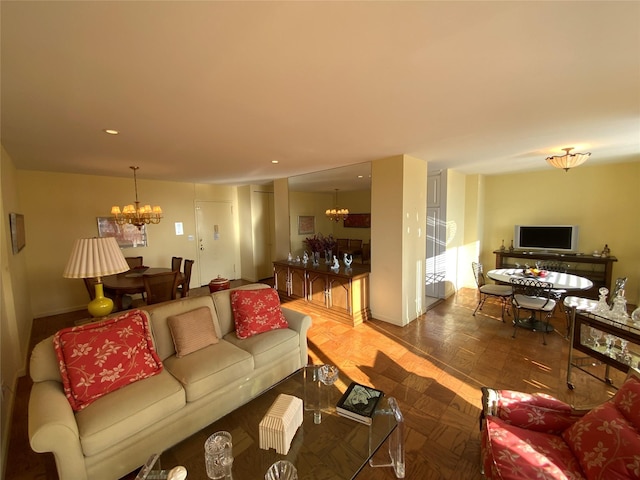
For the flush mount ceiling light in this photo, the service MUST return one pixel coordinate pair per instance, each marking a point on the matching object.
(336, 213)
(111, 131)
(568, 160)
(136, 215)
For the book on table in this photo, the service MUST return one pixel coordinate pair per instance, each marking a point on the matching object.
(359, 403)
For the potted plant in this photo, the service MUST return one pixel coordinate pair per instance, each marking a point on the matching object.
(315, 243)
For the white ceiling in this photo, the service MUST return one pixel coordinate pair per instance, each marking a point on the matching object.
(212, 92)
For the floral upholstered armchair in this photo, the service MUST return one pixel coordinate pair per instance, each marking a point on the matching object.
(527, 436)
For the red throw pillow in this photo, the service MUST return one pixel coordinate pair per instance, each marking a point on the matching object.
(605, 444)
(256, 311)
(98, 358)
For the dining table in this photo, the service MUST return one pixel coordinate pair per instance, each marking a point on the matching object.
(559, 280)
(130, 283)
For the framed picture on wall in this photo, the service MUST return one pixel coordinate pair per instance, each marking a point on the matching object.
(357, 220)
(127, 235)
(18, 239)
(306, 224)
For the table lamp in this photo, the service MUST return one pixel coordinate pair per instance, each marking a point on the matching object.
(95, 258)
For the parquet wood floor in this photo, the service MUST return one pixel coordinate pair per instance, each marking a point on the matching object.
(435, 367)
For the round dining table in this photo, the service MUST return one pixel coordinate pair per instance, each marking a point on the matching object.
(130, 283)
(562, 282)
(559, 280)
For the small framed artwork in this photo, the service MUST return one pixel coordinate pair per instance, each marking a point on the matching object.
(357, 220)
(306, 224)
(127, 235)
(16, 224)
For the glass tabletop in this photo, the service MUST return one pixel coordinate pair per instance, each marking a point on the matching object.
(335, 448)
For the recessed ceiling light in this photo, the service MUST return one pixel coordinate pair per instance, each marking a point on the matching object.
(111, 131)
(360, 176)
(274, 161)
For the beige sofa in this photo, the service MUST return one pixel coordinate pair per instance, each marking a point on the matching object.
(116, 434)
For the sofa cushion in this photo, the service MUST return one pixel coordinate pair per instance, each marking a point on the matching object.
(127, 411)
(210, 368)
(627, 399)
(605, 444)
(192, 331)
(160, 312)
(514, 453)
(101, 357)
(256, 311)
(222, 302)
(268, 347)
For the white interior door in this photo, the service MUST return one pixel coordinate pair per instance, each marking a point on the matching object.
(216, 237)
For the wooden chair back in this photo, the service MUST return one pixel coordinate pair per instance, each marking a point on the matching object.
(160, 287)
(176, 263)
(184, 289)
(134, 261)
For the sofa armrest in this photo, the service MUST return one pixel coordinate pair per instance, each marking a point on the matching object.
(53, 428)
(537, 411)
(300, 323)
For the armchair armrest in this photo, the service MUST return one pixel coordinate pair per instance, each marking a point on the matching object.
(301, 323)
(537, 411)
(53, 428)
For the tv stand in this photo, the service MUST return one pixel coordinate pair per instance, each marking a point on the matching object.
(597, 269)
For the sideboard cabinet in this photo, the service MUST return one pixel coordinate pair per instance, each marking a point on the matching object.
(597, 269)
(342, 295)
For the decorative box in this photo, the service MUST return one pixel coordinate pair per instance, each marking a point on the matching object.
(280, 423)
(218, 284)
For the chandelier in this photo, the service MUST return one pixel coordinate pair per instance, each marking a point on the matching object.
(568, 160)
(336, 213)
(136, 215)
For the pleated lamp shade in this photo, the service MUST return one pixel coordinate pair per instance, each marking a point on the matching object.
(95, 257)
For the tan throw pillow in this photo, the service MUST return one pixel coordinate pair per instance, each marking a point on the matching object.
(192, 331)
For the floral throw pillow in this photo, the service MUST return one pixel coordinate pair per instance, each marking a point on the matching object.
(605, 444)
(98, 358)
(256, 311)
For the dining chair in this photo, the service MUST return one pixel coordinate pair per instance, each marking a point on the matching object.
(134, 261)
(183, 290)
(536, 297)
(176, 263)
(366, 252)
(355, 248)
(486, 290)
(342, 244)
(160, 287)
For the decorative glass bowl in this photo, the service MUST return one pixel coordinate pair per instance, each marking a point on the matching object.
(328, 374)
(282, 470)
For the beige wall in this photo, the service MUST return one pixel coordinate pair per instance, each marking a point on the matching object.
(399, 209)
(603, 200)
(308, 203)
(59, 208)
(15, 310)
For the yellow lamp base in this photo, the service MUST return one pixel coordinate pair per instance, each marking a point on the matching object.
(100, 306)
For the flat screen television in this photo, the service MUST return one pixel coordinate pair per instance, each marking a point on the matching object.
(551, 238)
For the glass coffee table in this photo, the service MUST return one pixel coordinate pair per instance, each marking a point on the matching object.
(335, 448)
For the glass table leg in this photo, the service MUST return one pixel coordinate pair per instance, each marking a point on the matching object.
(395, 441)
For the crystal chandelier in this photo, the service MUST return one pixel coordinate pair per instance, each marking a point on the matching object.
(336, 213)
(136, 215)
(568, 160)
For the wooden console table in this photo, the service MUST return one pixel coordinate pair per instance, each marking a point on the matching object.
(597, 269)
(342, 295)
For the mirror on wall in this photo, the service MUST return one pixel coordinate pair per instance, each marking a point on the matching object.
(310, 195)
